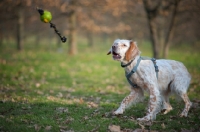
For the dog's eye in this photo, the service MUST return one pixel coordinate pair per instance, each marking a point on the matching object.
(124, 45)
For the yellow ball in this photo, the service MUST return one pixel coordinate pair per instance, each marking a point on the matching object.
(46, 17)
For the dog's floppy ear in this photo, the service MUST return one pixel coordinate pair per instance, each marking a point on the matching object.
(109, 52)
(132, 51)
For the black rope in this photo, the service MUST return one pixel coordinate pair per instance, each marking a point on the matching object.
(63, 38)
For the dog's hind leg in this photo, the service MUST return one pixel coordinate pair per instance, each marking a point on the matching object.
(188, 104)
(166, 105)
(135, 96)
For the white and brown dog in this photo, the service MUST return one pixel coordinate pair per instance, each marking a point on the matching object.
(142, 74)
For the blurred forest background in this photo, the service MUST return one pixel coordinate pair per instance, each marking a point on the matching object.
(161, 22)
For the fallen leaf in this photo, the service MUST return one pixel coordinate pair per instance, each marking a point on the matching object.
(62, 110)
(40, 92)
(2, 116)
(8, 120)
(47, 128)
(67, 121)
(142, 130)
(81, 101)
(142, 126)
(37, 127)
(114, 128)
(139, 130)
(92, 105)
(95, 129)
(195, 105)
(185, 130)
(12, 100)
(85, 118)
(37, 85)
(24, 120)
(196, 100)
(163, 126)
(59, 95)
(63, 130)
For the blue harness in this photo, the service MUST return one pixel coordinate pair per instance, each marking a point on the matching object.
(136, 66)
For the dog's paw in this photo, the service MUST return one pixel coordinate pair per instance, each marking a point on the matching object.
(165, 111)
(144, 119)
(184, 114)
(118, 112)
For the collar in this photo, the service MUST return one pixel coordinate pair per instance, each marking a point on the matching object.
(125, 65)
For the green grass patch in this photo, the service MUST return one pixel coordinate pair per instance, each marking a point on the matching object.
(48, 90)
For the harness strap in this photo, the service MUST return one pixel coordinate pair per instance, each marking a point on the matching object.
(136, 66)
(133, 71)
(156, 67)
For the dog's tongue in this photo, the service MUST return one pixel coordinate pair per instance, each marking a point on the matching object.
(114, 53)
(116, 56)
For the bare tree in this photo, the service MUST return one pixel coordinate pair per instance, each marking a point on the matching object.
(72, 28)
(20, 28)
(169, 33)
(165, 10)
(152, 8)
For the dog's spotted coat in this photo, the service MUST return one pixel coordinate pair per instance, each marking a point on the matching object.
(173, 77)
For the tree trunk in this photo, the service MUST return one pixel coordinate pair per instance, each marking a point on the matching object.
(72, 33)
(154, 38)
(151, 15)
(20, 29)
(169, 31)
(1, 41)
(90, 39)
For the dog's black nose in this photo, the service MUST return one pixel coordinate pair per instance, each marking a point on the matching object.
(113, 47)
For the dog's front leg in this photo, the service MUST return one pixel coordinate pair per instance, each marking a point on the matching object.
(133, 97)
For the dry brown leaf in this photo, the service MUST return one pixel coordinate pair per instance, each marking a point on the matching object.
(142, 126)
(114, 128)
(81, 101)
(195, 105)
(37, 85)
(24, 120)
(62, 130)
(138, 130)
(62, 110)
(40, 92)
(13, 100)
(67, 121)
(92, 105)
(185, 130)
(47, 128)
(51, 91)
(8, 120)
(196, 101)
(37, 127)
(59, 95)
(163, 126)
(2, 116)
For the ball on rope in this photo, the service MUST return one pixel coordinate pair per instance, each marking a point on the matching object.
(45, 16)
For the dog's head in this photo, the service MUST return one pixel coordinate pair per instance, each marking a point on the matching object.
(124, 50)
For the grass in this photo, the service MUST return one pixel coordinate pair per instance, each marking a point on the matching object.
(46, 90)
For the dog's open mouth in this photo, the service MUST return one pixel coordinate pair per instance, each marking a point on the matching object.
(116, 55)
